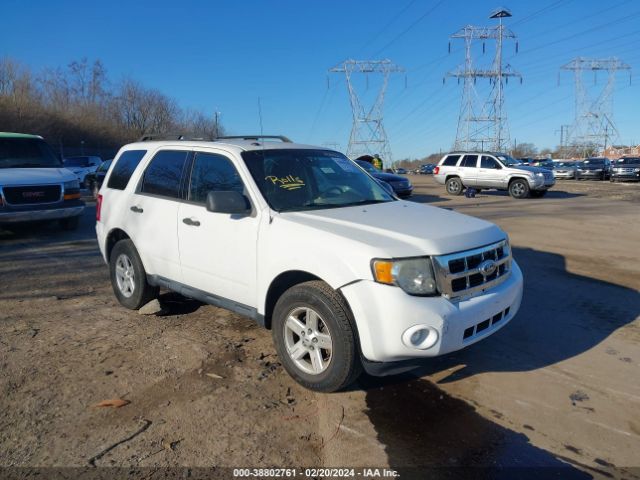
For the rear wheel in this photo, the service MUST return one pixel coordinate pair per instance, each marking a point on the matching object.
(454, 186)
(128, 277)
(519, 188)
(313, 334)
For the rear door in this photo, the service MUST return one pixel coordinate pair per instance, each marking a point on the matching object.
(489, 173)
(217, 250)
(467, 169)
(152, 212)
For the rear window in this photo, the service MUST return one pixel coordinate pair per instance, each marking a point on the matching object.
(124, 168)
(451, 161)
(163, 176)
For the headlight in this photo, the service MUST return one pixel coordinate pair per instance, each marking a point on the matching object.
(539, 174)
(71, 185)
(636, 169)
(413, 275)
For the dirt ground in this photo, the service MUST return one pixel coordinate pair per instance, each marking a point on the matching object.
(559, 388)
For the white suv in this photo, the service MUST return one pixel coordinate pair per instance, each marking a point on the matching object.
(306, 243)
(484, 170)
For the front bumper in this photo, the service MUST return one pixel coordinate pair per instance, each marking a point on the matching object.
(597, 174)
(383, 315)
(635, 176)
(565, 174)
(36, 213)
(406, 192)
(542, 184)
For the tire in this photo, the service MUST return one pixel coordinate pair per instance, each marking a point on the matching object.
(318, 369)
(538, 193)
(70, 223)
(454, 186)
(519, 188)
(132, 291)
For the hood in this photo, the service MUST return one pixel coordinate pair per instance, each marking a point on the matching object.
(32, 176)
(389, 177)
(530, 169)
(396, 229)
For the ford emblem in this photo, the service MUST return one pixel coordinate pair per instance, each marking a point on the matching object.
(487, 267)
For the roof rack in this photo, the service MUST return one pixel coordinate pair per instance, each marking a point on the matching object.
(150, 137)
(282, 138)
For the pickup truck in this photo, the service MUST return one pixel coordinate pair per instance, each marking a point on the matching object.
(34, 185)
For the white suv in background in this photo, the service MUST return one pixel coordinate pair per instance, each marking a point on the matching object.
(484, 170)
(309, 245)
(82, 165)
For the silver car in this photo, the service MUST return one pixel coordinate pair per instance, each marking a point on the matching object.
(487, 170)
(565, 170)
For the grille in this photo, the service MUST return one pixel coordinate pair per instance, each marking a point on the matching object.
(485, 324)
(464, 273)
(32, 194)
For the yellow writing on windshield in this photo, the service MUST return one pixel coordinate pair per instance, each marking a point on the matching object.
(289, 182)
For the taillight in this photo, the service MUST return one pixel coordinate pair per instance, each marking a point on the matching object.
(436, 170)
(98, 207)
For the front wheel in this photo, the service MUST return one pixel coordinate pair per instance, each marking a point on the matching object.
(454, 186)
(519, 189)
(313, 334)
(128, 277)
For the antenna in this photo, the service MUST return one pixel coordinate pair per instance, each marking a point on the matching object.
(260, 116)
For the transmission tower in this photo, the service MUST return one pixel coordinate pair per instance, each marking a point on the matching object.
(593, 126)
(483, 125)
(367, 133)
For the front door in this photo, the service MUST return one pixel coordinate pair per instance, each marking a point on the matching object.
(489, 175)
(217, 250)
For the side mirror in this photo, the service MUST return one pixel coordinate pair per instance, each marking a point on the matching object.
(231, 202)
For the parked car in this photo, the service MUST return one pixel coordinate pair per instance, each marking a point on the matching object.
(304, 242)
(401, 171)
(627, 168)
(545, 163)
(93, 180)
(402, 187)
(34, 185)
(427, 169)
(484, 170)
(566, 170)
(81, 166)
(594, 168)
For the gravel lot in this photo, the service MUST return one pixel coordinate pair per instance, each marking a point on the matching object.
(559, 387)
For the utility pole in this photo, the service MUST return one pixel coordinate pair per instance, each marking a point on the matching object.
(217, 123)
(487, 122)
(368, 135)
(593, 124)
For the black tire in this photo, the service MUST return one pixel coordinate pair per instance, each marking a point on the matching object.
(454, 186)
(343, 366)
(70, 223)
(519, 188)
(538, 193)
(141, 292)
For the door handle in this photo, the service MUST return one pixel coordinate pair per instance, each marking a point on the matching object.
(191, 222)
(136, 209)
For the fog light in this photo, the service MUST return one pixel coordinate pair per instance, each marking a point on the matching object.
(420, 337)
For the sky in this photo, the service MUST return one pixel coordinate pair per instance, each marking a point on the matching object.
(240, 58)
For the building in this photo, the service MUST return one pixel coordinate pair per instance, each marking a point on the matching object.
(617, 151)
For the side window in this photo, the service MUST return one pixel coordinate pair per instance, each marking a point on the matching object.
(212, 172)
(469, 161)
(124, 168)
(163, 176)
(451, 161)
(488, 162)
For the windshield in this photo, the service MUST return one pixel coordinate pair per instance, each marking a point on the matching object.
(76, 162)
(629, 161)
(594, 161)
(296, 180)
(26, 153)
(367, 166)
(508, 161)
